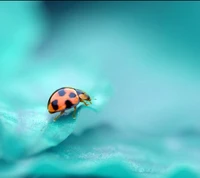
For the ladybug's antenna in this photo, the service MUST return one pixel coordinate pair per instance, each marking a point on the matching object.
(93, 98)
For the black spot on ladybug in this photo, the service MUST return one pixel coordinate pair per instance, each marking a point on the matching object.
(68, 104)
(61, 92)
(54, 104)
(72, 95)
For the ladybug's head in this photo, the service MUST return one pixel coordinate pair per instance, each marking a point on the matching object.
(83, 96)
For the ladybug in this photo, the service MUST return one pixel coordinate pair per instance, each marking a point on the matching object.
(66, 98)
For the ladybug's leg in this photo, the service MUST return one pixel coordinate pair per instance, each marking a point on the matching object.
(74, 113)
(84, 103)
(58, 115)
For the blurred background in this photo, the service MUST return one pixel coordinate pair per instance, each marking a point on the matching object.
(140, 60)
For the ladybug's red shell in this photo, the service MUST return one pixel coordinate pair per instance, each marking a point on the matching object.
(61, 99)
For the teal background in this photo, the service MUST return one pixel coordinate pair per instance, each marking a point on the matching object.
(139, 60)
